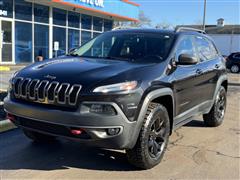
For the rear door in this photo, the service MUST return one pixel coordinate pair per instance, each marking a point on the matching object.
(207, 70)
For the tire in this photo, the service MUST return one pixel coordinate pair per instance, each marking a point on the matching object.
(235, 68)
(38, 137)
(216, 115)
(153, 138)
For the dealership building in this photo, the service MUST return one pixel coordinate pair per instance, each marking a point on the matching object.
(47, 28)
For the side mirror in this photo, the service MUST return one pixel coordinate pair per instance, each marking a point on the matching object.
(187, 59)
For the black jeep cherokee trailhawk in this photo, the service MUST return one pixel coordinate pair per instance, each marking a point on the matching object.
(125, 89)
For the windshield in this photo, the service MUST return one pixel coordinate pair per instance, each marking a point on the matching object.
(144, 47)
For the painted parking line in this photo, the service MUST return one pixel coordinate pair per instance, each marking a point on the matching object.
(4, 68)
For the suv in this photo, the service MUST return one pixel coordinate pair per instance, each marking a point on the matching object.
(233, 62)
(125, 89)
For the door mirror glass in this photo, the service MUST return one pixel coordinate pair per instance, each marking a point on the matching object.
(187, 59)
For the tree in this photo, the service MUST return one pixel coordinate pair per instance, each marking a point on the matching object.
(143, 21)
(164, 25)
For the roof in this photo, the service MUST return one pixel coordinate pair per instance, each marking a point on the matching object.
(214, 29)
(144, 30)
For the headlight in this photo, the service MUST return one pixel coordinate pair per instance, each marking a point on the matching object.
(126, 86)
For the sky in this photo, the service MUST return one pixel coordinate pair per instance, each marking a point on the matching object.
(184, 12)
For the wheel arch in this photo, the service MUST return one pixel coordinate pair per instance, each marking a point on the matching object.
(159, 96)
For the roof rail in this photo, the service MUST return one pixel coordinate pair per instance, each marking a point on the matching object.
(180, 29)
(123, 27)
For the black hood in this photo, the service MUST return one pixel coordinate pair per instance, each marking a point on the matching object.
(84, 71)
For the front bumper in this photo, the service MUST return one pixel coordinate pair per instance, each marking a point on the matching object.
(58, 122)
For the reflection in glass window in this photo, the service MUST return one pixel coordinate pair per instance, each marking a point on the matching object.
(23, 10)
(108, 25)
(186, 47)
(7, 7)
(41, 13)
(41, 41)
(59, 35)
(86, 22)
(73, 39)
(73, 19)
(97, 24)
(96, 34)
(86, 36)
(59, 17)
(206, 50)
(23, 42)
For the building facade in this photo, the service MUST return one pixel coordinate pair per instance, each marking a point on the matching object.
(47, 28)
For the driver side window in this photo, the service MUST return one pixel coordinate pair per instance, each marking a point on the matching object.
(185, 46)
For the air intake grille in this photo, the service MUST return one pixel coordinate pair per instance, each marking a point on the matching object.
(46, 92)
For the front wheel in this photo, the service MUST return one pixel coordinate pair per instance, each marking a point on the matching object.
(153, 138)
(215, 117)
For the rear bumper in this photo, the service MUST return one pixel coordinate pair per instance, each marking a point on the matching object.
(60, 123)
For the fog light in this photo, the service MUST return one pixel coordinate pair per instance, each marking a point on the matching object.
(113, 131)
(10, 117)
(102, 109)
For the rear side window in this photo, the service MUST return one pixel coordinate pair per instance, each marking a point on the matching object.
(206, 49)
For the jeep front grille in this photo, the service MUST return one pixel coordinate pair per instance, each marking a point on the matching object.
(46, 92)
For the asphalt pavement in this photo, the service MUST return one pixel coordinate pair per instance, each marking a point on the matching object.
(195, 152)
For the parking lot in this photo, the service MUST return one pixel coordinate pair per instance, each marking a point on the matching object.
(195, 152)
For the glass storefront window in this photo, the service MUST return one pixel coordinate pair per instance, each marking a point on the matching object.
(97, 24)
(73, 19)
(59, 17)
(59, 35)
(108, 25)
(86, 21)
(96, 34)
(73, 39)
(7, 8)
(23, 10)
(86, 36)
(23, 42)
(41, 41)
(41, 13)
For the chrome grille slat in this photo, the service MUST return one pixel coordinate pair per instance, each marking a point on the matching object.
(33, 89)
(77, 94)
(24, 89)
(16, 88)
(64, 93)
(43, 91)
(53, 91)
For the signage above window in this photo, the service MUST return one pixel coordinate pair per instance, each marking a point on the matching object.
(97, 3)
(3, 13)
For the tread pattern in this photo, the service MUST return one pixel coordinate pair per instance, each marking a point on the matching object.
(138, 155)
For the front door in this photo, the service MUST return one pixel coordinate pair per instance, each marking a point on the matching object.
(6, 42)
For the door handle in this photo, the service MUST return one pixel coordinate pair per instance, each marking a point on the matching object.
(199, 71)
(217, 66)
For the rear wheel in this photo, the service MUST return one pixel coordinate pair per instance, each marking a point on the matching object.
(153, 138)
(38, 137)
(215, 117)
(235, 68)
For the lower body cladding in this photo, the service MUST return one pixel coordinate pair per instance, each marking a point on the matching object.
(100, 130)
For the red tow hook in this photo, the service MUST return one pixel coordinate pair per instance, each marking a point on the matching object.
(77, 131)
(11, 117)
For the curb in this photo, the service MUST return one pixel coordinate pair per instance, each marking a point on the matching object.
(6, 125)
